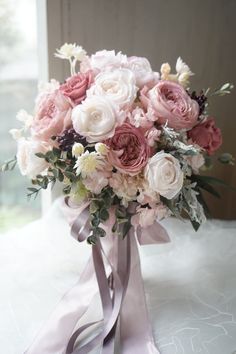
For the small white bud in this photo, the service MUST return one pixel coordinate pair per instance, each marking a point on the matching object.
(165, 70)
(77, 149)
(101, 148)
(184, 79)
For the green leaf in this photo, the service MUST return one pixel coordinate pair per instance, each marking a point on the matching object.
(114, 227)
(104, 214)
(120, 212)
(67, 189)
(95, 221)
(70, 175)
(213, 180)
(126, 228)
(99, 232)
(60, 164)
(195, 224)
(92, 240)
(31, 189)
(40, 155)
(56, 152)
(60, 176)
(93, 207)
(203, 203)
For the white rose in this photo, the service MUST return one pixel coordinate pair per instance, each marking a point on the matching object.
(164, 175)
(103, 60)
(29, 164)
(143, 72)
(96, 118)
(117, 85)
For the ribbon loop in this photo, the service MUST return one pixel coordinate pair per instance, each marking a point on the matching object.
(114, 270)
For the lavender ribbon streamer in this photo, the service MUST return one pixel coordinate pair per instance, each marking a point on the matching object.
(117, 257)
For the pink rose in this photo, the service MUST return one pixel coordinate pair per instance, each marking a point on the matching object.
(76, 86)
(53, 115)
(206, 135)
(129, 150)
(171, 104)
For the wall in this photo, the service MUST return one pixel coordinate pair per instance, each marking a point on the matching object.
(201, 32)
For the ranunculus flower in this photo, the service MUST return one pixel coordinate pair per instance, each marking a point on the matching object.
(142, 71)
(118, 85)
(171, 104)
(53, 115)
(206, 135)
(76, 86)
(129, 150)
(96, 118)
(29, 164)
(103, 60)
(164, 174)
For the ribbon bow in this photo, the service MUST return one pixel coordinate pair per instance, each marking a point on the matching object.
(114, 268)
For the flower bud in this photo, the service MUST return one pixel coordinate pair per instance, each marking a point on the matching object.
(101, 148)
(77, 149)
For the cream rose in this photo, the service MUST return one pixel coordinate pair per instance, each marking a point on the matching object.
(164, 175)
(29, 164)
(118, 85)
(96, 119)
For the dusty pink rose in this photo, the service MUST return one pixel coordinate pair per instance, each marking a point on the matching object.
(76, 86)
(171, 104)
(206, 135)
(53, 115)
(129, 150)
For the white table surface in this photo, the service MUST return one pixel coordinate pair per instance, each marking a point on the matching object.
(190, 283)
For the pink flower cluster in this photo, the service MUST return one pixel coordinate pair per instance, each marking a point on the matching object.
(129, 119)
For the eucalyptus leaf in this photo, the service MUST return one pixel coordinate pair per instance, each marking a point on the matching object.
(99, 232)
(92, 240)
(104, 214)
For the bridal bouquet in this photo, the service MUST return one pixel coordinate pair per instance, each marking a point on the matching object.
(117, 132)
(128, 146)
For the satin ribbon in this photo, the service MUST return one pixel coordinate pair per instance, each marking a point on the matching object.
(114, 271)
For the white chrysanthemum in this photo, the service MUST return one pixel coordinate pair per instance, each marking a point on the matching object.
(67, 51)
(89, 163)
(79, 53)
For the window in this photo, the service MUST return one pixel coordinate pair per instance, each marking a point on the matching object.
(18, 88)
